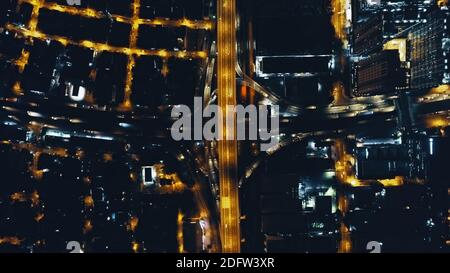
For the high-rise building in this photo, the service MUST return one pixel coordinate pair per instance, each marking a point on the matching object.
(379, 74)
(382, 161)
(429, 51)
(368, 35)
(400, 15)
(376, 23)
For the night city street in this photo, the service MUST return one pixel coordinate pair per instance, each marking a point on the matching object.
(224, 126)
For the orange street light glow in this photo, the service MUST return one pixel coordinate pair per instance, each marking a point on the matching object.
(229, 203)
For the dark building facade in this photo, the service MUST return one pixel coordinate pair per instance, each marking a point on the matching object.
(291, 59)
(382, 161)
(379, 74)
(429, 52)
(368, 35)
(377, 23)
(275, 21)
(400, 15)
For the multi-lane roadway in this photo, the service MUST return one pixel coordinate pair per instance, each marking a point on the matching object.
(229, 196)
